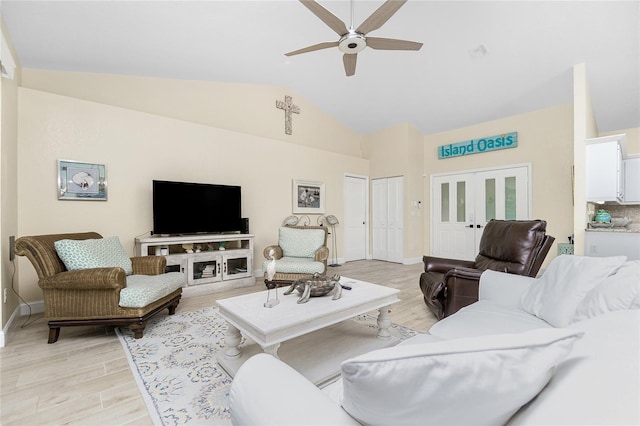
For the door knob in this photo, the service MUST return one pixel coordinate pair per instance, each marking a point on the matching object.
(478, 226)
(471, 226)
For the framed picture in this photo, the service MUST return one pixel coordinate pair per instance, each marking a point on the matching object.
(308, 197)
(82, 181)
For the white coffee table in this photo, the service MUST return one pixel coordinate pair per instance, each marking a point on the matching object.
(270, 327)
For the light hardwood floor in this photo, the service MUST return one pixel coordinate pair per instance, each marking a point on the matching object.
(84, 378)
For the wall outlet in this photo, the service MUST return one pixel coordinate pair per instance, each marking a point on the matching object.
(4, 296)
(12, 251)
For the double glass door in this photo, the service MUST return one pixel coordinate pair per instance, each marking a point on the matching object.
(463, 203)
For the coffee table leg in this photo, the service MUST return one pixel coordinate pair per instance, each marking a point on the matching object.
(384, 322)
(272, 350)
(232, 342)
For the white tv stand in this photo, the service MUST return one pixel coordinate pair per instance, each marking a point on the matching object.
(202, 260)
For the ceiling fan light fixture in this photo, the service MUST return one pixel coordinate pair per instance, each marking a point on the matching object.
(352, 43)
(353, 39)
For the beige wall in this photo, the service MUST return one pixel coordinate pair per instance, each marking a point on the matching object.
(138, 147)
(633, 139)
(415, 214)
(545, 140)
(584, 125)
(8, 183)
(398, 151)
(244, 108)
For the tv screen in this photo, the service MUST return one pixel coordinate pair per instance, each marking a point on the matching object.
(192, 208)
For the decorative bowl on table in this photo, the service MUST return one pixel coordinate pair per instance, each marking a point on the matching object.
(315, 286)
(620, 222)
(599, 225)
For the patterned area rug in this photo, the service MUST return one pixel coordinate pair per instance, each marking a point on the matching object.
(176, 370)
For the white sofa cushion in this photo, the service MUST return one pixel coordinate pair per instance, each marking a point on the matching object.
(599, 382)
(616, 292)
(485, 317)
(265, 391)
(503, 288)
(478, 380)
(557, 293)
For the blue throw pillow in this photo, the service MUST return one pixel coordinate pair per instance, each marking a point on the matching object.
(89, 254)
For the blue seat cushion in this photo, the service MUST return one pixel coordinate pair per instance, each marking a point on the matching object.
(296, 265)
(142, 290)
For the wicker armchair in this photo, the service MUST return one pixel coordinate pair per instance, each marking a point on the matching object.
(301, 251)
(91, 296)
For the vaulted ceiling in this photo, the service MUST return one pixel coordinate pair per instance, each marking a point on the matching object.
(481, 60)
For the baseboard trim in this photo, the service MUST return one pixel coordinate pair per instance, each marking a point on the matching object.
(20, 310)
(5, 331)
(36, 307)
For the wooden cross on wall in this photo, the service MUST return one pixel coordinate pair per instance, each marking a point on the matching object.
(288, 108)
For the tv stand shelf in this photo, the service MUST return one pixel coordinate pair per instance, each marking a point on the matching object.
(222, 261)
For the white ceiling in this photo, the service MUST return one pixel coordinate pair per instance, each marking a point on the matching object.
(531, 49)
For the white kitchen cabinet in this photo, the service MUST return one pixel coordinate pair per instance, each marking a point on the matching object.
(632, 180)
(605, 168)
(603, 243)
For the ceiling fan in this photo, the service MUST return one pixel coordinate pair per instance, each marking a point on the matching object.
(353, 40)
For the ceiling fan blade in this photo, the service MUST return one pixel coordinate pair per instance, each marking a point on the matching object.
(392, 44)
(318, 46)
(380, 16)
(327, 17)
(349, 60)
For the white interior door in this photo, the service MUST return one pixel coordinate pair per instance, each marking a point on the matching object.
(463, 203)
(452, 215)
(388, 219)
(379, 218)
(355, 217)
(500, 194)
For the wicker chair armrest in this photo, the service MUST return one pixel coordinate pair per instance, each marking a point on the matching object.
(149, 265)
(89, 279)
(277, 249)
(322, 254)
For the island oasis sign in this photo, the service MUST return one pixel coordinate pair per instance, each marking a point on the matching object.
(475, 146)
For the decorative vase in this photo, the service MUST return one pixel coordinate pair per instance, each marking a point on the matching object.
(602, 217)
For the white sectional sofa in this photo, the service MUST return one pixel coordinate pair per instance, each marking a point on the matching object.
(562, 349)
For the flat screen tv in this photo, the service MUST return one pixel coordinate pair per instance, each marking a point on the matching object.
(193, 208)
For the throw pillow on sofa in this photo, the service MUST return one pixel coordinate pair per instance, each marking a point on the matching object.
(555, 296)
(93, 253)
(477, 380)
(617, 292)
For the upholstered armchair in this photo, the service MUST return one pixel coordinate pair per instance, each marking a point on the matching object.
(92, 290)
(301, 251)
(516, 247)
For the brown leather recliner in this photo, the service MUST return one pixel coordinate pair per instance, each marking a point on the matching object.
(513, 246)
